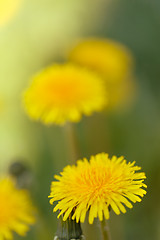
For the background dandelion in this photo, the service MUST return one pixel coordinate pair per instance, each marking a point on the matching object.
(62, 93)
(16, 210)
(112, 61)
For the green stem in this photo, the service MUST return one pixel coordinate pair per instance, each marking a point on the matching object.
(71, 140)
(105, 230)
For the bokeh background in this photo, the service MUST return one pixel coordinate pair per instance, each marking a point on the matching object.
(41, 32)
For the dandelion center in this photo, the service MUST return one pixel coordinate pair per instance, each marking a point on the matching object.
(64, 92)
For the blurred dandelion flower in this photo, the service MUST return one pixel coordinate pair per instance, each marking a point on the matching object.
(8, 9)
(95, 185)
(16, 211)
(110, 59)
(63, 93)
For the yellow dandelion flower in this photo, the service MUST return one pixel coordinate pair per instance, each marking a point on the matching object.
(63, 93)
(106, 56)
(8, 9)
(113, 61)
(95, 186)
(16, 211)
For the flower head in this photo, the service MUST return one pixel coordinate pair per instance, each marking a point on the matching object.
(63, 93)
(16, 211)
(108, 57)
(113, 61)
(95, 185)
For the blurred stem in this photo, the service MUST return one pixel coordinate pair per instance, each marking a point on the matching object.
(105, 230)
(72, 143)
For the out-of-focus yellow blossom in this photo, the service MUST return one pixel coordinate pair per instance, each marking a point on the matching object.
(8, 9)
(110, 59)
(16, 210)
(95, 185)
(63, 93)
